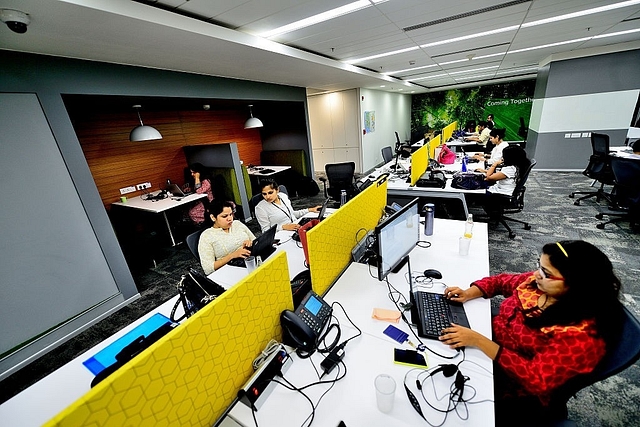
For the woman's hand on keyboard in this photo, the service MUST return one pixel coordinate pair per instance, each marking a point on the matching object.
(457, 336)
(457, 294)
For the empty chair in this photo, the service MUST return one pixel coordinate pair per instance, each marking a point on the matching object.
(599, 169)
(340, 176)
(387, 154)
(626, 174)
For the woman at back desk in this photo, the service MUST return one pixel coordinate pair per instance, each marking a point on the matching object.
(225, 240)
(276, 209)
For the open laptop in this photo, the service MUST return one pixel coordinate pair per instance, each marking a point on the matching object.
(320, 217)
(261, 246)
(176, 191)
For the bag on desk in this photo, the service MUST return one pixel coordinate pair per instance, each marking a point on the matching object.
(446, 156)
(432, 179)
(468, 181)
(196, 291)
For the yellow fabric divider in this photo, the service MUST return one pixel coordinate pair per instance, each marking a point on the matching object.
(433, 144)
(191, 375)
(419, 163)
(448, 130)
(331, 241)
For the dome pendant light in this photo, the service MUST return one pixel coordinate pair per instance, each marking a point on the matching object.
(252, 122)
(143, 132)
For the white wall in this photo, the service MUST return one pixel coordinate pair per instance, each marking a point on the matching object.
(393, 114)
(336, 123)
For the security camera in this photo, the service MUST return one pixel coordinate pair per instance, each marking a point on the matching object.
(16, 21)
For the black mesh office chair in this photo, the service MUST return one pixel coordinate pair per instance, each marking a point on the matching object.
(599, 169)
(513, 204)
(387, 154)
(618, 358)
(626, 192)
(340, 177)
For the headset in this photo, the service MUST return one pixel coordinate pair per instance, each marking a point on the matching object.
(448, 370)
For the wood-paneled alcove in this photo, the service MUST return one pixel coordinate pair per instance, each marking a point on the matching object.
(115, 162)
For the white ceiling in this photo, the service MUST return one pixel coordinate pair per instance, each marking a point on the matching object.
(221, 37)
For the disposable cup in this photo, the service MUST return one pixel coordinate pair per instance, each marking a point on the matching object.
(250, 262)
(463, 245)
(385, 392)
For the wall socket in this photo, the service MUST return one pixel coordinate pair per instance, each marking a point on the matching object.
(143, 186)
(126, 190)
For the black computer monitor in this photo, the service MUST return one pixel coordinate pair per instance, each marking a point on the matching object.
(396, 236)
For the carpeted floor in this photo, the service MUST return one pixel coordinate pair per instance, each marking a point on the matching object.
(553, 217)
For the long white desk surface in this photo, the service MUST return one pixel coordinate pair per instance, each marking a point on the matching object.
(158, 206)
(352, 399)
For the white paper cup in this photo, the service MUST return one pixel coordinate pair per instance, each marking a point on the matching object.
(250, 262)
(385, 392)
(463, 245)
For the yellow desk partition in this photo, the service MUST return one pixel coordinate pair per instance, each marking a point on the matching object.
(447, 132)
(331, 241)
(433, 144)
(419, 163)
(191, 375)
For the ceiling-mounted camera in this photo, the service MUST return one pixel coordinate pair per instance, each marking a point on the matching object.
(16, 21)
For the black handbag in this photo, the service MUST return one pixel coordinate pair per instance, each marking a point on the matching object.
(434, 179)
(196, 291)
(468, 181)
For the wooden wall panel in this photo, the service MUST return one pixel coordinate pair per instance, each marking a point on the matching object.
(115, 162)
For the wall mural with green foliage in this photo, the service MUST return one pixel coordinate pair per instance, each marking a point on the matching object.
(510, 104)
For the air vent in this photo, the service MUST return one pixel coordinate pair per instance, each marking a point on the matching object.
(465, 15)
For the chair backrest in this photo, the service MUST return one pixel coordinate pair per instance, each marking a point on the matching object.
(340, 177)
(626, 174)
(622, 355)
(517, 199)
(283, 189)
(192, 242)
(387, 154)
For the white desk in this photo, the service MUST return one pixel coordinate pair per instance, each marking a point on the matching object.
(352, 399)
(623, 151)
(160, 206)
(45, 399)
(399, 186)
(259, 170)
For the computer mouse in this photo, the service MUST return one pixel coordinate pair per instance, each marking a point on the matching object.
(432, 274)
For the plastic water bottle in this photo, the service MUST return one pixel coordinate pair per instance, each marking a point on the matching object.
(343, 197)
(429, 211)
(468, 227)
(464, 163)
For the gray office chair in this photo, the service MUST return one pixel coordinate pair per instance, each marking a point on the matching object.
(192, 242)
(387, 154)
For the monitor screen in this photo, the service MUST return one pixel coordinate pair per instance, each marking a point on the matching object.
(397, 235)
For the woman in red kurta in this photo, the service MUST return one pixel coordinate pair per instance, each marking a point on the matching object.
(555, 324)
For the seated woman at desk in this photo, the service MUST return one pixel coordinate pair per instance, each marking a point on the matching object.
(275, 208)
(503, 176)
(496, 137)
(202, 185)
(556, 323)
(225, 240)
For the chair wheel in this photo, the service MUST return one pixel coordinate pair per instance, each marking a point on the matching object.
(512, 235)
(600, 226)
(527, 227)
(599, 216)
(577, 203)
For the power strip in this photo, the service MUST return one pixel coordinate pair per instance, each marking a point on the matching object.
(257, 389)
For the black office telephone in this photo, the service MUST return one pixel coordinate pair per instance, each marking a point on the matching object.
(302, 328)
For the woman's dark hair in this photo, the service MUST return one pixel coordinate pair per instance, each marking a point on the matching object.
(500, 133)
(216, 207)
(514, 155)
(593, 289)
(201, 169)
(636, 146)
(268, 183)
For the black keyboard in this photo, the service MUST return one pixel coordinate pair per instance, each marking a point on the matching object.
(437, 313)
(237, 262)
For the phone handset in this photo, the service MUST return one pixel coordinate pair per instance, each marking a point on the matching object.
(302, 327)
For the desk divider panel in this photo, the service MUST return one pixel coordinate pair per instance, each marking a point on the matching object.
(433, 144)
(447, 132)
(331, 241)
(191, 375)
(419, 163)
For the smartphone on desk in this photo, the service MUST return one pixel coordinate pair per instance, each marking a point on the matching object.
(302, 327)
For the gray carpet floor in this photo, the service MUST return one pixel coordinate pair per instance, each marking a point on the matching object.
(553, 217)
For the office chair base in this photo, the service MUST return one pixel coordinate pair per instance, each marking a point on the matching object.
(503, 220)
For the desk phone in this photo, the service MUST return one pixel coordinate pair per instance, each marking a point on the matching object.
(301, 328)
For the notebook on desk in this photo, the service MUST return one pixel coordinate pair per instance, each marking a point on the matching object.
(262, 247)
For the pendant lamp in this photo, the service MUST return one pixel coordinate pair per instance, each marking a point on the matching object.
(252, 122)
(143, 132)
